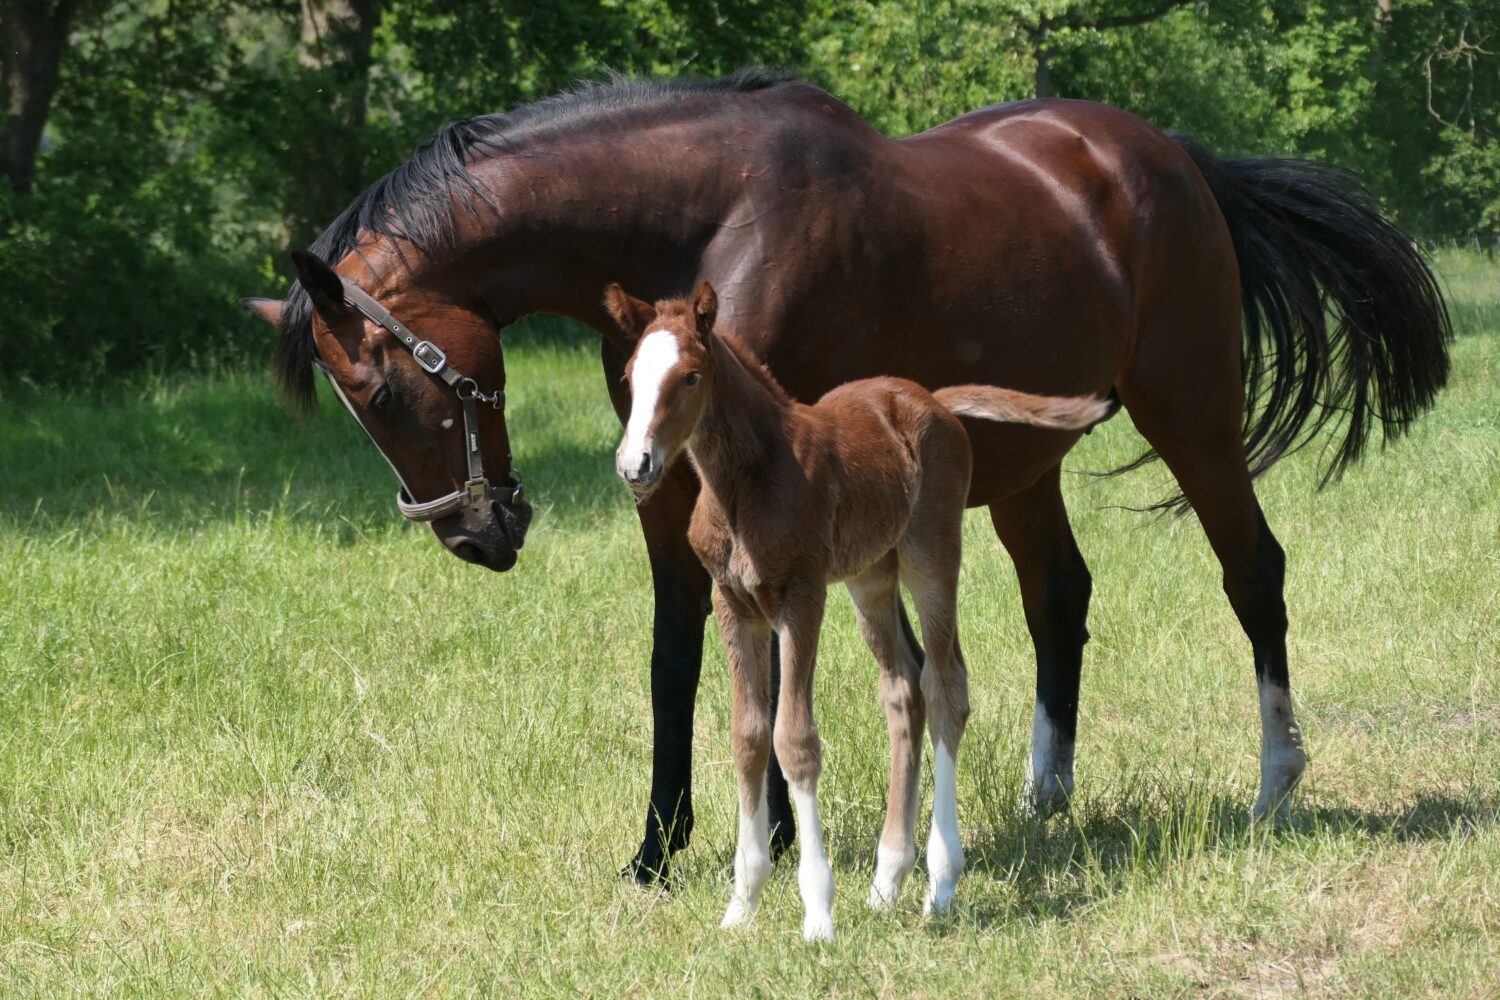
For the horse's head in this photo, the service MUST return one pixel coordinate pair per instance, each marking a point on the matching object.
(420, 369)
(669, 375)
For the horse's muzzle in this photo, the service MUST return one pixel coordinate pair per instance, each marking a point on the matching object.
(488, 537)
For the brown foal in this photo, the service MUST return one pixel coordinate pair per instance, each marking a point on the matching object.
(867, 486)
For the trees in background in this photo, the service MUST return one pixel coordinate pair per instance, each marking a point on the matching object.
(160, 155)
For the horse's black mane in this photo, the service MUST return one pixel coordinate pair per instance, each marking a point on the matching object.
(415, 202)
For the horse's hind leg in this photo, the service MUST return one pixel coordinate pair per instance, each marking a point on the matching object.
(877, 606)
(747, 641)
(1195, 426)
(929, 557)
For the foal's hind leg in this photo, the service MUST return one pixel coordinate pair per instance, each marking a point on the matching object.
(747, 641)
(929, 569)
(800, 750)
(877, 605)
(1196, 430)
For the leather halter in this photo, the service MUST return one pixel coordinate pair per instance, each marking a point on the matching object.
(477, 490)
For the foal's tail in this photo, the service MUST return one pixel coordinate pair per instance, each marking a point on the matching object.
(1312, 244)
(1063, 413)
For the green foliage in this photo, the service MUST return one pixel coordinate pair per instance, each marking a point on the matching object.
(193, 141)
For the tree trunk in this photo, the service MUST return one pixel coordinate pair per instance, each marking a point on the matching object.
(1043, 78)
(336, 37)
(33, 38)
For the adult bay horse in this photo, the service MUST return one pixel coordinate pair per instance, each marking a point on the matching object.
(1060, 247)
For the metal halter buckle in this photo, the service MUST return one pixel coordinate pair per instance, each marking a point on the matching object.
(430, 356)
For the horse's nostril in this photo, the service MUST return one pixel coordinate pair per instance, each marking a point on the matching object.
(645, 466)
(468, 552)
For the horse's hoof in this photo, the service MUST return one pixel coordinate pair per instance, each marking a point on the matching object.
(1048, 798)
(783, 836)
(1279, 778)
(647, 873)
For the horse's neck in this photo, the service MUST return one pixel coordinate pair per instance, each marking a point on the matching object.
(743, 428)
(565, 227)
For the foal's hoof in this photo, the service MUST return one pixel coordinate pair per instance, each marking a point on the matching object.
(738, 914)
(818, 927)
(939, 900)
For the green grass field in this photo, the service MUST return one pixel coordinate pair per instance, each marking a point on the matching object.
(259, 736)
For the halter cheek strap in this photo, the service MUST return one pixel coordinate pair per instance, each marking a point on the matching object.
(477, 490)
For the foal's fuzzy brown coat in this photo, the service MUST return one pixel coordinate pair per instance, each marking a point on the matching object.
(868, 487)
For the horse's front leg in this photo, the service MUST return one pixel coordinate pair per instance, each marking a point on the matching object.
(682, 591)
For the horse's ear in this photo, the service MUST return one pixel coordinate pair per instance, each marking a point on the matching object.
(706, 308)
(269, 310)
(322, 285)
(629, 312)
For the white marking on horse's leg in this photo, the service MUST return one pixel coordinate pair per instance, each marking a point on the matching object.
(752, 863)
(1282, 759)
(1049, 772)
(654, 358)
(891, 869)
(814, 874)
(945, 852)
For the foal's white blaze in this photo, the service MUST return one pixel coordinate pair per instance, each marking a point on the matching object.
(339, 392)
(752, 863)
(656, 356)
(814, 874)
(945, 852)
(1282, 760)
(1049, 774)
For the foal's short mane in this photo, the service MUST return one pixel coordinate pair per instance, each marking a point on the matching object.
(753, 366)
(416, 201)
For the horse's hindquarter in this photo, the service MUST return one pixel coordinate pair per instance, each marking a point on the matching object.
(1004, 248)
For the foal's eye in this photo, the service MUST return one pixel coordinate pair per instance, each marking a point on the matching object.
(382, 398)
(691, 380)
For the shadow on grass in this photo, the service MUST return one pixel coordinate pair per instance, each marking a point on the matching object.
(217, 450)
(1055, 868)
(1059, 866)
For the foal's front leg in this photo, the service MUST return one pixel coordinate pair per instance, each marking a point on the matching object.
(747, 641)
(801, 754)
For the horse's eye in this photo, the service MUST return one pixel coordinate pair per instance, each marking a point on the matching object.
(691, 380)
(382, 398)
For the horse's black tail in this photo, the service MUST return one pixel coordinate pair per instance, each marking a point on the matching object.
(1311, 242)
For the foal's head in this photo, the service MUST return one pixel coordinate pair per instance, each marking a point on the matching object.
(669, 375)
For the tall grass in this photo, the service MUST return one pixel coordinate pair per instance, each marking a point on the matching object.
(258, 735)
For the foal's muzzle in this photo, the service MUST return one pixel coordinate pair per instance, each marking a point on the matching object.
(640, 468)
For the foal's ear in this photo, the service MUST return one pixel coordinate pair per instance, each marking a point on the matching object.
(269, 310)
(706, 308)
(322, 285)
(629, 312)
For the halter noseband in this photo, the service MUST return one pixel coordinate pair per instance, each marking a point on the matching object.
(477, 490)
